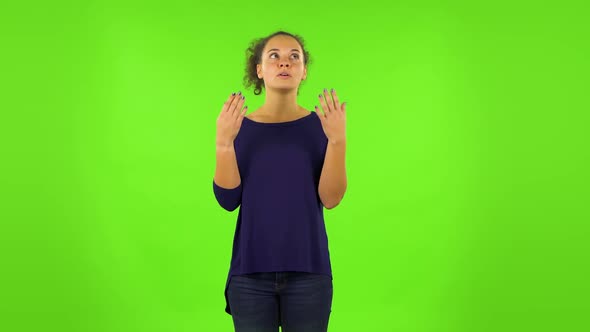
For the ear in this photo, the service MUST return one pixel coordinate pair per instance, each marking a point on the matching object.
(304, 74)
(258, 71)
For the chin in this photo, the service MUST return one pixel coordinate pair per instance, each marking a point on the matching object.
(284, 88)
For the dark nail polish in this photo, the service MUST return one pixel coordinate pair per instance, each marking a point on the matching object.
(325, 90)
(233, 93)
(243, 97)
(320, 95)
(240, 93)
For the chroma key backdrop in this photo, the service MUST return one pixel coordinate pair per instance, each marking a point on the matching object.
(467, 206)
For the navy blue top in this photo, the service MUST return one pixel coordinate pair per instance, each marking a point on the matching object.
(280, 224)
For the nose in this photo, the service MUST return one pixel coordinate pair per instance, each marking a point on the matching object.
(284, 64)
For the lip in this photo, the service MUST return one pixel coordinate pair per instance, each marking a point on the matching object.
(288, 75)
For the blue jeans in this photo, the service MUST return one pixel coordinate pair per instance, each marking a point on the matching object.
(296, 301)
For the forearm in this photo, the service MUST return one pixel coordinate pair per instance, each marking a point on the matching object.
(333, 182)
(227, 174)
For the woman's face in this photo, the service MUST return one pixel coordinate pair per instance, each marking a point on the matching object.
(282, 54)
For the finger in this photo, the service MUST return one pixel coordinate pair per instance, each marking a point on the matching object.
(227, 103)
(329, 101)
(336, 101)
(320, 115)
(235, 102)
(242, 115)
(325, 107)
(319, 112)
(239, 105)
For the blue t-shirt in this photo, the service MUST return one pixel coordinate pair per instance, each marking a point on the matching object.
(280, 224)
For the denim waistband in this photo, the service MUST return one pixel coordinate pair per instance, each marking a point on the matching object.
(276, 276)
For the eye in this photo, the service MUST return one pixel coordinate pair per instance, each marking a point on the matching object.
(295, 54)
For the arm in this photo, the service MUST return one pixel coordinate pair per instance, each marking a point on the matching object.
(333, 182)
(227, 184)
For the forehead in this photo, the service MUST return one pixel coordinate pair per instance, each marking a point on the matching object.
(283, 43)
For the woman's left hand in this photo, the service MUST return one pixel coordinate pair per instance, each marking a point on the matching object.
(332, 117)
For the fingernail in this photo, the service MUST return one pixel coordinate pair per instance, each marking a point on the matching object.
(240, 93)
(325, 90)
(243, 97)
(320, 95)
(332, 90)
(233, 93)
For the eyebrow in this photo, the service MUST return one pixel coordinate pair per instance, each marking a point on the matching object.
(276, 49)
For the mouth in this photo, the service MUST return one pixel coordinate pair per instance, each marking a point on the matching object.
(283, 75)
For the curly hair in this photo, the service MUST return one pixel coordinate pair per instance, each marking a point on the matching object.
(254, 57)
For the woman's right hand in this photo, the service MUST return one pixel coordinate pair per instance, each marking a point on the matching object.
(230, 119)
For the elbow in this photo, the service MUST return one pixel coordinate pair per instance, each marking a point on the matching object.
(228, 198)
(330, 206)
(331, 203)
(331, 199)
(229, 204)
(229, 207)
(232, 207)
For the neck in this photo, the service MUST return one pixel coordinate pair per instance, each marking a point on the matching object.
(280, 104)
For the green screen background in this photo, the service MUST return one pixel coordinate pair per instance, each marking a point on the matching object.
(467, 162)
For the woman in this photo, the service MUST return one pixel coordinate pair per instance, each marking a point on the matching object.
(283, 168)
